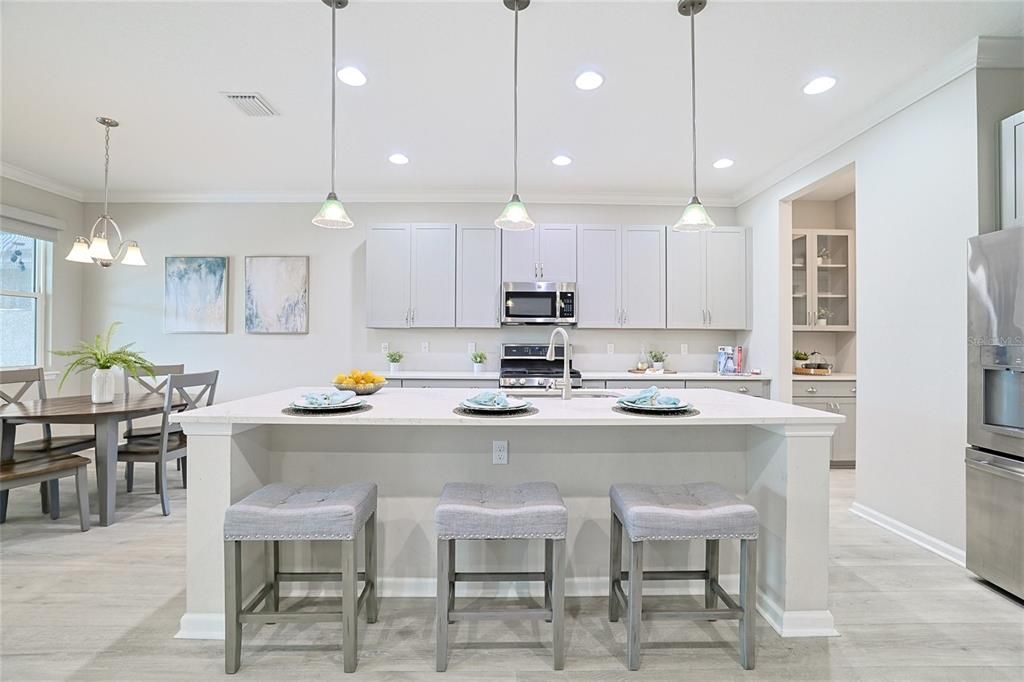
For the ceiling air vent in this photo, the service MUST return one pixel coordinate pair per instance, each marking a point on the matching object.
(250, 103)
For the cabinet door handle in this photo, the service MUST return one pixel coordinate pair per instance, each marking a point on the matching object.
(542, 271)
(743, 389)
(625, 316)
(853, 390)
(406, 317)
(812, 389)
(412, 316)
(709, 316)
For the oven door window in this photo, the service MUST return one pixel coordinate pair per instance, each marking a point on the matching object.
(530, 304)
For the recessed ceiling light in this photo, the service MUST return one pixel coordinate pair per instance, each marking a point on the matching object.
(398, 159)
(819, 85)
(723, 163)
(589, 80)
(350, 75)
(561, 160)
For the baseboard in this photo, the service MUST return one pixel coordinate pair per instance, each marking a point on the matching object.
(931, 543)
(201, 626)
(796, 623)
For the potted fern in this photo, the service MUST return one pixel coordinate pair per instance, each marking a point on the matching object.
(478, 358)
(99, 357)
(394, 360)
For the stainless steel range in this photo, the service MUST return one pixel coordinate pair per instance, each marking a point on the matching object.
(523, 365)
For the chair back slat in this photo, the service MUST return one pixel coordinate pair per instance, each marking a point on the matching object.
(27, 378)
(150, 385)
(176, 385)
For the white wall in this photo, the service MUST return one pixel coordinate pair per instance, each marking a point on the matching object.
(338, 339)
(1000, 94)
(916, 205)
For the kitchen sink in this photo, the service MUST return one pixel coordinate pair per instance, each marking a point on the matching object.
(557, 393)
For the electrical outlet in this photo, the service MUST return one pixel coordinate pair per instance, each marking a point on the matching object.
(684, 349)
(385, 347)
(425, 347)
(610, 349)
(499, 452)
(472, 346)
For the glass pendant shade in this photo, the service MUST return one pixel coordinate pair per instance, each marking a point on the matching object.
(99, 250)
(332, 214)
(695, 218)
(79, 251)
(133, 254)
(514, 217)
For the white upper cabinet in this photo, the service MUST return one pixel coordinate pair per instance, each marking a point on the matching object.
(546, 253)
(1012, 172)
(477, 276)
(410, 275)
(709, 279)
(824, 276)
(621, 276)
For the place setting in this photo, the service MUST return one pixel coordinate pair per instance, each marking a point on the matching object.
(652, 402)
(329, 401)
(495, 404)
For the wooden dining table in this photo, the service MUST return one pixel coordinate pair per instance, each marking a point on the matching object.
(79, 409)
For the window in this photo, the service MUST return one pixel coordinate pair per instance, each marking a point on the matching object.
(24, 263)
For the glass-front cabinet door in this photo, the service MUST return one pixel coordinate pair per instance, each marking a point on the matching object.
(823, 280)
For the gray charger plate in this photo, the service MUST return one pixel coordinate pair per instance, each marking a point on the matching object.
(294, 412)
(492, 414)
(688, 412)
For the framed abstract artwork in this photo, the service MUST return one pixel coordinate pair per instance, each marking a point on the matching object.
(277, 294)
(196, 295)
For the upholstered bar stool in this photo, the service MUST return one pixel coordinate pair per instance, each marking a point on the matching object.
(472, 511)
(283, 512)
(693, 511)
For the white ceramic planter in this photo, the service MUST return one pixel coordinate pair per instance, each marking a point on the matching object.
(658, 366)
(478, 367)
(103, 386)
(394, 367)
(822, 321)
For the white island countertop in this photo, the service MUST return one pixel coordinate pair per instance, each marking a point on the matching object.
(598, 375)
(434, 407)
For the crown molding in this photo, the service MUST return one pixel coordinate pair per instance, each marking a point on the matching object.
(27, 177)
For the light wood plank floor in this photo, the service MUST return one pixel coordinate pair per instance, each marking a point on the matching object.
(104, 605)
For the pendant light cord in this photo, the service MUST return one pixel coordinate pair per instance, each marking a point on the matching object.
(106, 167)
(693, 97)
(515, 106)
(334, 85)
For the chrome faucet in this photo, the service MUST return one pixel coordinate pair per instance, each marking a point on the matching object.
(566, 380)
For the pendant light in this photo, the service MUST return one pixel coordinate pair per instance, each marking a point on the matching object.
(695, 217)
(514, 216)
(332, 212)
(96, 248)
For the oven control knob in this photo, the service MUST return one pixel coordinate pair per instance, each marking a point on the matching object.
(522, 382)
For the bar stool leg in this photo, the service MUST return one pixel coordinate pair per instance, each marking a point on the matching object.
(232, 606)
(271, 554)
(370, 551)
(636, 584)
(558, 602)
(349, 605)
(451, 578)
(82, 490)
(748, 600)
(441, 644)
(53, 495)
(548, 551)
(614, 567)
(711, 566)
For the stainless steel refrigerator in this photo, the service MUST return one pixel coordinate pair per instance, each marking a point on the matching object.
(995, 419)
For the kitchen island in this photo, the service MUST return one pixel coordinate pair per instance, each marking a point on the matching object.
(411, 443)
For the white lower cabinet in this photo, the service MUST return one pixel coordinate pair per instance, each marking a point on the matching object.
(757, 389)
(410, 275)
(708, 279)
(837, 397)
(621, 276)
(477, 276)
(449, 383)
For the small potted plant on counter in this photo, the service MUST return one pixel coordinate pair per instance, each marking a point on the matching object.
(98, 357)
(394, 360)
(658, 358)
(479, 358)
(799, 358)
(824, 315)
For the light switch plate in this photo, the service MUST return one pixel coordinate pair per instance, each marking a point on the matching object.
(425, 347)
(499, 452)
(472, 346)
(684, 349)
(385, 347)
(610, 349)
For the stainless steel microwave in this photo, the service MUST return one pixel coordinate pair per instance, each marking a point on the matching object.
(538, 303)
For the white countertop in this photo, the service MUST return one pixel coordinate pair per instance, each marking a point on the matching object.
(587, 374)
(433, 407)
(835, 376)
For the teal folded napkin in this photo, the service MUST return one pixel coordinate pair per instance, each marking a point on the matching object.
(489, 399)
(648, 397)
(327, 398)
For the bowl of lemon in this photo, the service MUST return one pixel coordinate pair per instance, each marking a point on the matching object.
(362, 382)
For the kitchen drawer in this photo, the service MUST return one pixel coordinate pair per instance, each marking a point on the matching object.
(450, 383)
(824, 389)
(641, 384)
(758, 389)
(593, 383)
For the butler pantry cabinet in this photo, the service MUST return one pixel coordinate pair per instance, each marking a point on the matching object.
(620, 276)
(546, 253)
(410, 275)
(709, 279)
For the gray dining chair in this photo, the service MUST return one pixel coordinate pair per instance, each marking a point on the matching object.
(47, 447)
(171, 444)
(150, 385)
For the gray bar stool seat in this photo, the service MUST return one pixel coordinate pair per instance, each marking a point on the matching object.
(473, 511)
(705, 511)
(295, 513)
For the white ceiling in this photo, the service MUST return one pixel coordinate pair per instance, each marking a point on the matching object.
(440, 91)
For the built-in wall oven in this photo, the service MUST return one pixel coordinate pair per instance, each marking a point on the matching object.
(538, 303)
(995, 416)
